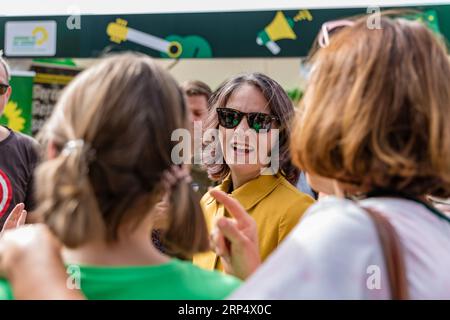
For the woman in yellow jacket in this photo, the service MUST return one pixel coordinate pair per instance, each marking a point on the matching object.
(250, 157)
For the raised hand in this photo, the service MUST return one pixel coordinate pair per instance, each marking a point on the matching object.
(16, 218)
(235, 240)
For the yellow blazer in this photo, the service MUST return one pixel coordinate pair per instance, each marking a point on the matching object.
(271, 200)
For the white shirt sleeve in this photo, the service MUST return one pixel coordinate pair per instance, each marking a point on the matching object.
(333, 253)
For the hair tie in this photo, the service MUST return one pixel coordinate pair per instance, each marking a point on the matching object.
(174, 175)
(73, 145)
(79, 144)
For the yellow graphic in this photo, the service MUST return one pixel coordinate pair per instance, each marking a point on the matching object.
(14, 115)
(303, 15)
(53, 78)
(175, 49)
(44, 35)
(280, 28)
(119, 31)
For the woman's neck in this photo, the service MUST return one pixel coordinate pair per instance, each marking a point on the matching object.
(241, 179)
(127, 251)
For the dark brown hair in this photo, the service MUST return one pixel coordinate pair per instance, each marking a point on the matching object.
(124, 109)
(280, 106)
(375, 112)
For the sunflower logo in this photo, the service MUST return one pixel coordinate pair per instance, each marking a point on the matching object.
(14, 117)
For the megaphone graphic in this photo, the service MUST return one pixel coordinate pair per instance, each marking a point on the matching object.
(279, 28)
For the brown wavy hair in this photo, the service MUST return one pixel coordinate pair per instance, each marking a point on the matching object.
(280, 106)
(375, 114)
(124, 109)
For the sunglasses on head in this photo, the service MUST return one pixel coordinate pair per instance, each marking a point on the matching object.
(3, 88)
(328, 27)
(230, 119)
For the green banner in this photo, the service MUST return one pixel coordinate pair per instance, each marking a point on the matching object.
(17, 113)
(278, 33)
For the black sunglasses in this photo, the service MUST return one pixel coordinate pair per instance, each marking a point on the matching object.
(3, 88)
(230, 119)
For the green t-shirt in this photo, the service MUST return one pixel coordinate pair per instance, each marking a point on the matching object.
(175, 280)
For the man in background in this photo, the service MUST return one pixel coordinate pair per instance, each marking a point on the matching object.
(197, 94)
(18, 157)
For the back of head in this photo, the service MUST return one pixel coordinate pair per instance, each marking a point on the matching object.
(112, 127)
(5, 66)
(375, 113)
(196, 88)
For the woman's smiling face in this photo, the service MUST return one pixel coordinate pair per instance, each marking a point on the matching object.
(242, 145)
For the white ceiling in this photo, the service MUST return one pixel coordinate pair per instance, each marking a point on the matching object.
(69, 7)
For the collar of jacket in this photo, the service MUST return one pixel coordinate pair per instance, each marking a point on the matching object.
(251, 192)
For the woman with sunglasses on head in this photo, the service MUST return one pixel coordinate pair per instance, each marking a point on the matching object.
(375, 122)
(253, 115)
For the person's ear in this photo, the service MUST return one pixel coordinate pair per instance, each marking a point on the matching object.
(52, 150)
(8, 92)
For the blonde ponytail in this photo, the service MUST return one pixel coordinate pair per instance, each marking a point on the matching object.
(67, 191)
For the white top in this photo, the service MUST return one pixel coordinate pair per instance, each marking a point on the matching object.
(334, 253)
